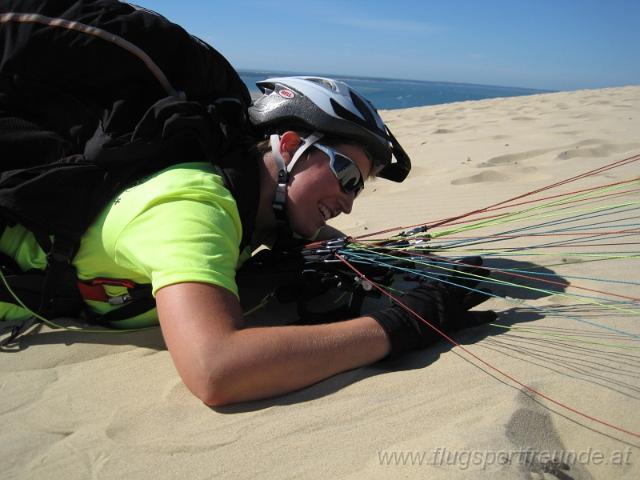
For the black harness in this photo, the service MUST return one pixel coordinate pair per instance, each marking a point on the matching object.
(95, 95)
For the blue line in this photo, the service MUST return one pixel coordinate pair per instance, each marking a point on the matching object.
(511, 284)
(567, 276)
(485, 239)
(583, 216)
(560, 221)
(568, 229)
(347, 253)
(577, 241)
(613, 224)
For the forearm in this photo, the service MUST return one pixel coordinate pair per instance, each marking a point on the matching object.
(222, 363)
(264, 362)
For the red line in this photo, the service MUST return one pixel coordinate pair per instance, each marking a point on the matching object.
(598, 197)
(489, 365)
(530, 277)
(477, 219)
(575, 233)
(548, 187)
(506, 203)
(532, 247)
(488, 217)
(575, 245)
(575, 192)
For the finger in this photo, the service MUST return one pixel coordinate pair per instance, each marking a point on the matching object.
(480, 318)
(471, 274)
(474, 272)
(470, 265)
(473, 299)
(475, 261)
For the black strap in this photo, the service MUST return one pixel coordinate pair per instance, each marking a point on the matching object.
(17, 331)
(28, 287)
(60, 273)
(141, 302)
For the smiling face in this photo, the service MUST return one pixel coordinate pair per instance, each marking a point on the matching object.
(314, 193)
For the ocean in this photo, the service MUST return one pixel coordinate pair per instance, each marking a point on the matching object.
(389, 93)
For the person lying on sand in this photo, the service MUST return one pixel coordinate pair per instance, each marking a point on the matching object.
(178, 232)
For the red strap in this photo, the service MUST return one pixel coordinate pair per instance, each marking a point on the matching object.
(94, 289)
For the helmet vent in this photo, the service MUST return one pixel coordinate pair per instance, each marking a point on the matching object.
(364, 109)
(347, 115)
(344, 113)
(329, 85)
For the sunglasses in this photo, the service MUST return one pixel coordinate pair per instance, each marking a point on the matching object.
(345, 170)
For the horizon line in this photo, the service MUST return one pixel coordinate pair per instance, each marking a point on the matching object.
(370, 77)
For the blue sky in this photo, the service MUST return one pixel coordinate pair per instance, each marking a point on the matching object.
(547, 44)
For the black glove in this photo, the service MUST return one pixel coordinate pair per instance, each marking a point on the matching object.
(444, 305)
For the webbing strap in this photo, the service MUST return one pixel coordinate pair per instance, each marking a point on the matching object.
(59, 269)
(95, 289)
(141, 302)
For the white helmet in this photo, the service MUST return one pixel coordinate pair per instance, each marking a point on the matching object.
(329, 107)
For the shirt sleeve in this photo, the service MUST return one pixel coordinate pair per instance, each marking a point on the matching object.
(182, 240)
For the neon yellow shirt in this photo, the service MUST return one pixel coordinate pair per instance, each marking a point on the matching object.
(178, 225)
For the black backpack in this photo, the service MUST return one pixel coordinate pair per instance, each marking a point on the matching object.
(94, 95)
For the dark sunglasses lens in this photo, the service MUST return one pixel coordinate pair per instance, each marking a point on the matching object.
(348, 174)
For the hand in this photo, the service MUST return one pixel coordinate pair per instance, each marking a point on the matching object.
(444, 304)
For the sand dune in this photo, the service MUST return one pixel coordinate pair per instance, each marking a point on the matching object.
(79, 406)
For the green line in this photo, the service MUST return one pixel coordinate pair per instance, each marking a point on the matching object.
(604, 255)
(511, 284)
(501, 219)
(567, 337)
(587, 261)
(524, 215)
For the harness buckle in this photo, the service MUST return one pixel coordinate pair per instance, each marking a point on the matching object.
(120, 300)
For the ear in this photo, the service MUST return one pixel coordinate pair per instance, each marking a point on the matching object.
(289, 143)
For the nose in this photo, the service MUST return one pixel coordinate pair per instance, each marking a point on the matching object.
(347, 203)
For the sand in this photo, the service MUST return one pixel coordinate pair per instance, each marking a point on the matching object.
(100, 406)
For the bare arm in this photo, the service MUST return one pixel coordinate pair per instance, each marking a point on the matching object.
(222, 363)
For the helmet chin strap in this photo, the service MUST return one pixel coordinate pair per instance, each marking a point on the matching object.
(282, 179)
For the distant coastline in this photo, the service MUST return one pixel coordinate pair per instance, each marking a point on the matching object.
(391, 93)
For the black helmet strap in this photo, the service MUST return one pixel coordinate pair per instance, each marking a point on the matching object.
(398, 170)
(282, 179)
